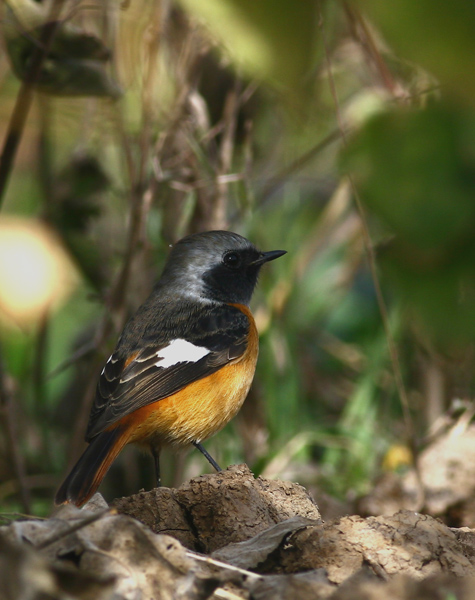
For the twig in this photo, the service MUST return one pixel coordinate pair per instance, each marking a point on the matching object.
(140, 199)
(25, 96)
(45, 158)
(222, 565)
(10, 517)
(217, 214)
(363, 35)
(81, 352)
(276, 182)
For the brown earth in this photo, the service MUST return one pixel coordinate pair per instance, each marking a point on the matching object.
(230, 536)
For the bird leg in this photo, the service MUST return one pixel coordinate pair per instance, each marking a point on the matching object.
(208, 456)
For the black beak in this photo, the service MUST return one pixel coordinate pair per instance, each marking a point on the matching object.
(268, 256)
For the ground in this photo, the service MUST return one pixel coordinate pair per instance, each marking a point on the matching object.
(230, 535)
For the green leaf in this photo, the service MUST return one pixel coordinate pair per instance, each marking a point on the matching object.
(416, 171)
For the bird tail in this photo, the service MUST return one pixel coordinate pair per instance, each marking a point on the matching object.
(87, 474)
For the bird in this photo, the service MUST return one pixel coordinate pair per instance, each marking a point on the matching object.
(184, 362)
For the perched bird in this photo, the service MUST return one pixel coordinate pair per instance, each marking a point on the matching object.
(184, 362)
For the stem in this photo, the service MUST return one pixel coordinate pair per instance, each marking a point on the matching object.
(25, 97)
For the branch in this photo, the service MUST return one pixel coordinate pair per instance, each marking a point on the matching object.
(25, 96)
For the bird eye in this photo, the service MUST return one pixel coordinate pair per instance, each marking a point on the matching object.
(232, 260)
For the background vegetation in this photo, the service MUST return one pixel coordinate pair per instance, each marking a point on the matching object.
(343, 132)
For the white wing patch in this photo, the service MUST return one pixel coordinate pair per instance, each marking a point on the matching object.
(180, 351)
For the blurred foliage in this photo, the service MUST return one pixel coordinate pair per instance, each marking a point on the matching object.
(75, 62)
(439, 37)
(276, 120)
(271, 39)
(415, 170)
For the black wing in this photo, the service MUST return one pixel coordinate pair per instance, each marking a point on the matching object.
(132, 379)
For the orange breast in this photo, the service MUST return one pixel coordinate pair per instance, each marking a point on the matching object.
(203, 407)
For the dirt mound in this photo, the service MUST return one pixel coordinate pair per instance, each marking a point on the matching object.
(229, 535)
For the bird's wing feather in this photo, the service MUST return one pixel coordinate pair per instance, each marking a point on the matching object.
(161, 368)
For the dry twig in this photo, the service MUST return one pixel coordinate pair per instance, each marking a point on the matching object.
(25, 96)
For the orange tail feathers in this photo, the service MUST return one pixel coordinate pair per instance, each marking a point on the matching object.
(87, 474)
